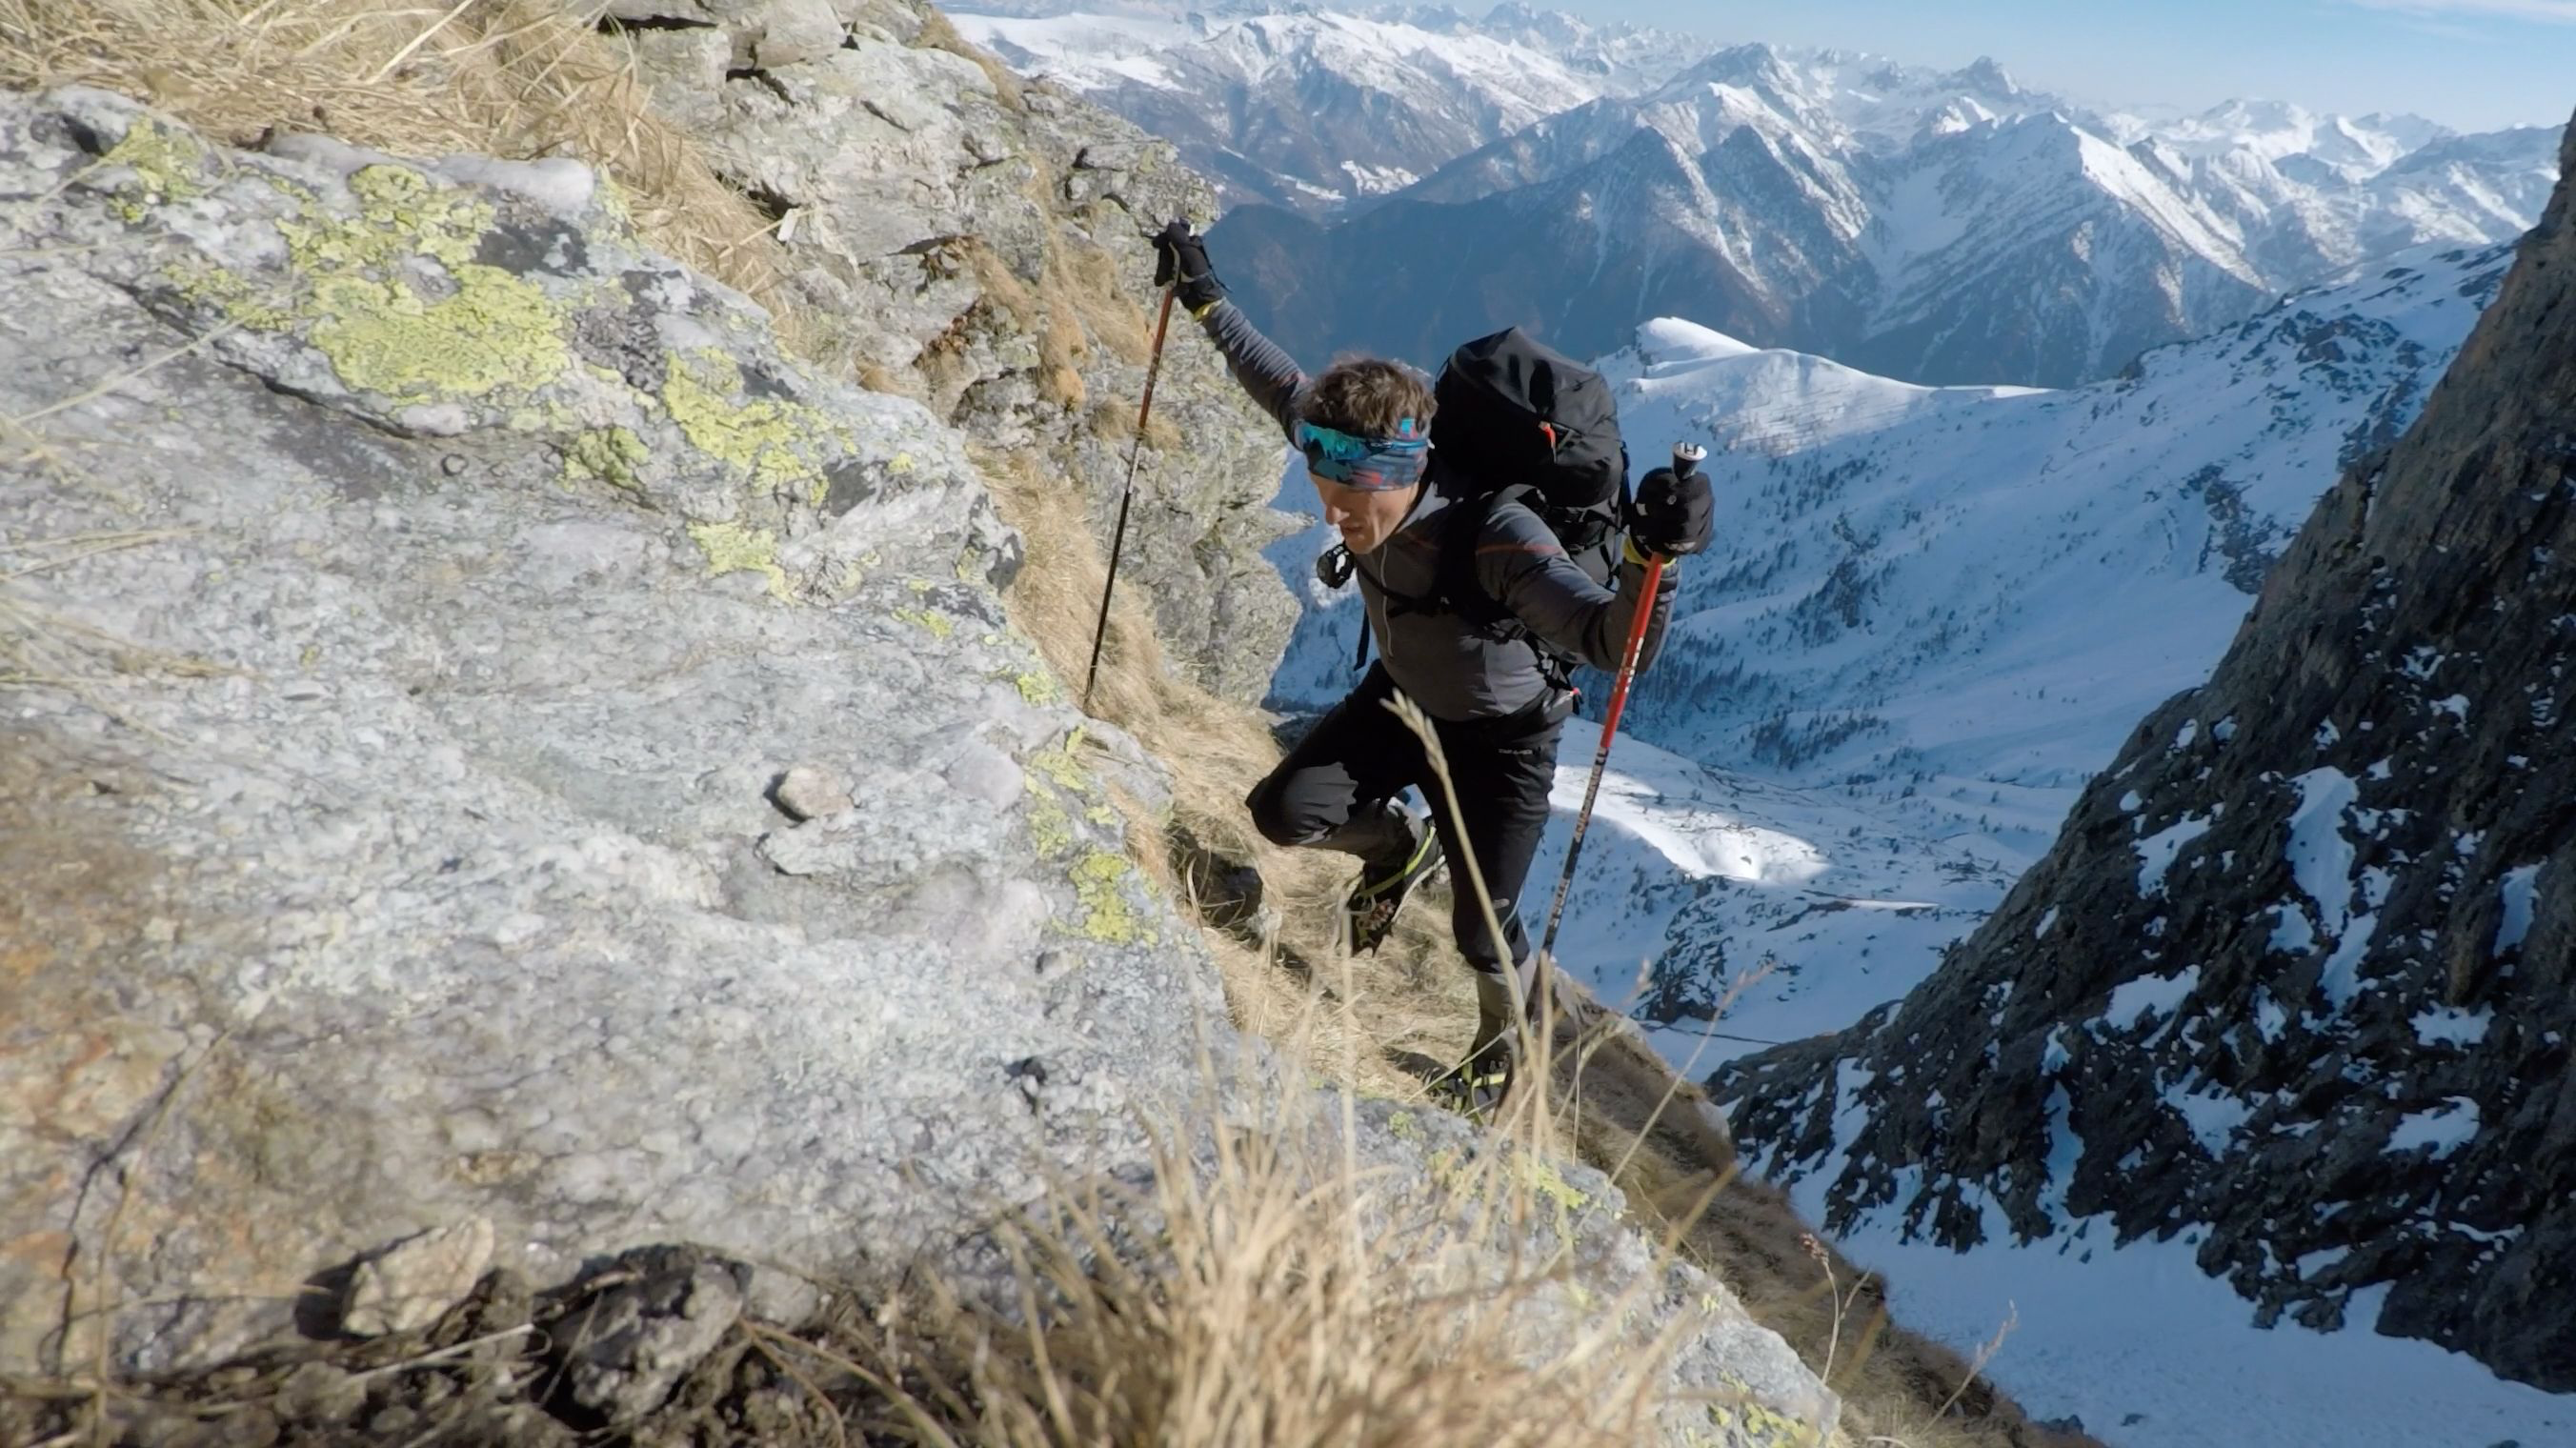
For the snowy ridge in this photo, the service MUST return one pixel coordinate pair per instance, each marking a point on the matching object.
(1946, 226)
(1314, 110)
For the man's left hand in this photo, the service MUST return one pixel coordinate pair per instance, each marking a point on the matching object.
(1674, 514)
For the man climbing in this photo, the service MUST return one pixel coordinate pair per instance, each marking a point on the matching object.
(1491, 672)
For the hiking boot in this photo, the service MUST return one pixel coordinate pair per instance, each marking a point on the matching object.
(1368, 916)
(1477, 1087)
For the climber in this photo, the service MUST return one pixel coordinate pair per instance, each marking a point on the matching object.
(1492, 673)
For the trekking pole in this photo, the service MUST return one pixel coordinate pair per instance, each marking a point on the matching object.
(1686, 460)
(1126, 499)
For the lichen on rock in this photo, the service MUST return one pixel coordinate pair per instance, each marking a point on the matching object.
(732, 548)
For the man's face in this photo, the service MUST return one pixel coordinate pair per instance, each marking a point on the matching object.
(1366, 519)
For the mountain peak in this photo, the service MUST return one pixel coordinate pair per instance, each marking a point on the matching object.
(1985, 74)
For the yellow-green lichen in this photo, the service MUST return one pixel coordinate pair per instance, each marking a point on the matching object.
(732, 548)
(606, 455)
(1541, 1176)
(1747, 1421)
(938, 624)
(1035, 689)
(611, 199)
(496, 331)
(215, 288)
(1404, 1127)
(776, 442)
(1050, 828)
(549, 416)
(1067, 772)
(1457, 1172)
(1106, 915)
(482, 330)
(166, 166)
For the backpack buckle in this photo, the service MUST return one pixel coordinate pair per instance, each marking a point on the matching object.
(1334, 566)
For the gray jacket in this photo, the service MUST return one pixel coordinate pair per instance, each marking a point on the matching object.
(1454, 668)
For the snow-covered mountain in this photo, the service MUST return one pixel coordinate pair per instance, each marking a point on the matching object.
(1937, 226)
(1313, 110)
(1931, 615)
(1403, 177)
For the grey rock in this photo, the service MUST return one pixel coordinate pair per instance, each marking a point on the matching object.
(1123, 763)
(2330, 895)
(623, 1350)
(321, 1393)
(808, 792)
(418, 865)
(415, 1282)
(985, 251)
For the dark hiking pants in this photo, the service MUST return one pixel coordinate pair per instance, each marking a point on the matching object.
(1336, 790)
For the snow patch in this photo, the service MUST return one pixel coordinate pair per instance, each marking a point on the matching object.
(2452, 1026)
(2157, 851)
(2516, 891)
(2161, 994)
(2321, 860)
(2213, 1117)
(2292, 932)
(2445, 1128)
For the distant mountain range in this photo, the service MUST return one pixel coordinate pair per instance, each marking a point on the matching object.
(1317, 110)
(1406, 179)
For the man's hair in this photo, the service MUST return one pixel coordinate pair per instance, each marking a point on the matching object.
(1368, 397)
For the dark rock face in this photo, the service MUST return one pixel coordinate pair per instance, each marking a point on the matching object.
(2299, 976)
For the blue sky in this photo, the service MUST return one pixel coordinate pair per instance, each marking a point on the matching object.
(2471, 64)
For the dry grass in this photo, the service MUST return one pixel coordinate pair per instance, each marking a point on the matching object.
(1287, 1298)
(514, 78)
(938, 34)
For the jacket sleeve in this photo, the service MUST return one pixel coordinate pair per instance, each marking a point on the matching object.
(1265, 372)
(1520, 565)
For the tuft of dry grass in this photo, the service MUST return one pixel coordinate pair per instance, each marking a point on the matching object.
(519, 79)
(937, 33)
(1286, 1295)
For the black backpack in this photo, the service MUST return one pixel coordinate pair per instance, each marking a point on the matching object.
(1518, 420)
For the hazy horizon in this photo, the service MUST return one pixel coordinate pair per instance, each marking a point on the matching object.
(2471, 65)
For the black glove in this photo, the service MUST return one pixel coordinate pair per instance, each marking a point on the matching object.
(1673, 514)
(1180, 253)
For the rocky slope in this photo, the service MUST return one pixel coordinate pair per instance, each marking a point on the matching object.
(2294, 981)
(503, 765)
(978, 243)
